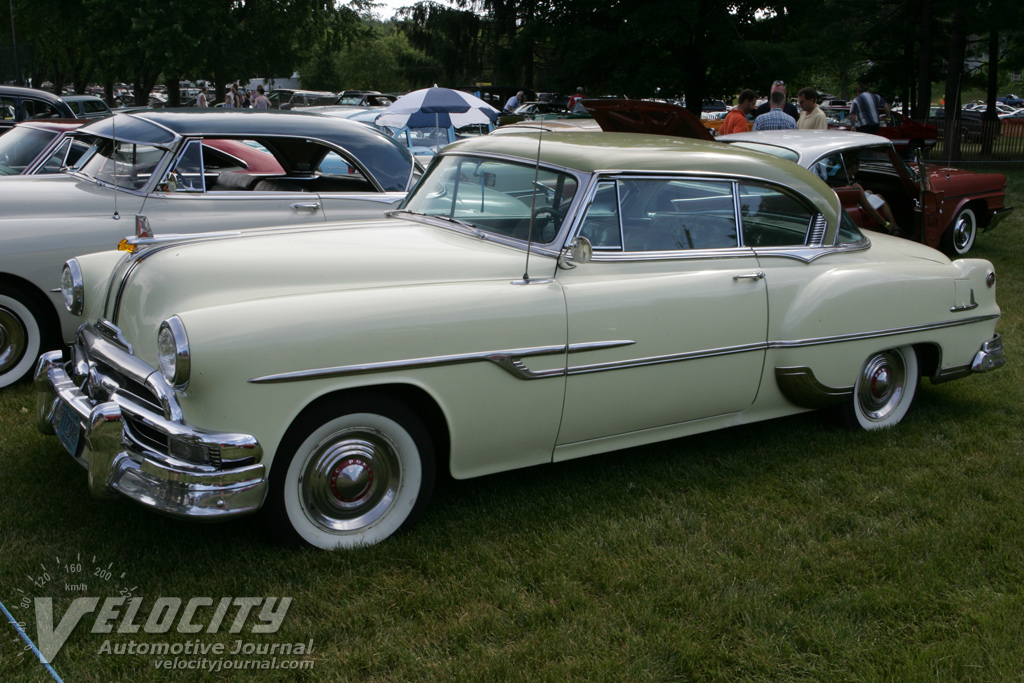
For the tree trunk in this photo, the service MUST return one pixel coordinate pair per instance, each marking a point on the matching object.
(991, 119)
(174, 92)
(924, 63)
(954, 81)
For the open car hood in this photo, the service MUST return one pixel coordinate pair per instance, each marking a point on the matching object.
(643, 116)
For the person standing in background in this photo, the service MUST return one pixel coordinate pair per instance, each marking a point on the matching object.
(260, 101)
(736, 120)
(811, 115)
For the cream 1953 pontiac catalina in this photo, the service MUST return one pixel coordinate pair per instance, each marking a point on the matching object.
(532, 301)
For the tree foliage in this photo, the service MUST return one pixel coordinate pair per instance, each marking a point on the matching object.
(665, 48)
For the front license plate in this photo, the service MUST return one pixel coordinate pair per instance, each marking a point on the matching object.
(68, 430)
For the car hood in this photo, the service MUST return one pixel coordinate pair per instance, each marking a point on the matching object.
(956, 181)
(642, 116)
(186, 276)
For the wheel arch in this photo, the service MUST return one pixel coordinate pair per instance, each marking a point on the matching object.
(977, 204)
(416, 398)
(929, 358)
(40, 299)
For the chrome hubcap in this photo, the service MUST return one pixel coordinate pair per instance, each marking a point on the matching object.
(882, 384)
(12, 339)
(963, 232)
(351, 479)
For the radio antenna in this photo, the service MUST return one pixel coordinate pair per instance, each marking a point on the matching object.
(533, 206)
(113, 158)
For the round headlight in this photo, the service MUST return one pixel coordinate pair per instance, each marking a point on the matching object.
(72, 287)
(172, 352)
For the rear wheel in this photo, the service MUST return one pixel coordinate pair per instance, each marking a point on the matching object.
(961, 233)
(351, 473)
(885, 389)
(24, 332)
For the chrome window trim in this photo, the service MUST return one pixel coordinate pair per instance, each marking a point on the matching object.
(675, 255)
(510, 360)
(808, 254)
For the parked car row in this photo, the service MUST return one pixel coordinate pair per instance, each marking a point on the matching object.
(535, 298)
(289, 98)
(186, 171)
(27, 104)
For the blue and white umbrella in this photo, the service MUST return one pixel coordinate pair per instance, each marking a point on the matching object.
(438, 108)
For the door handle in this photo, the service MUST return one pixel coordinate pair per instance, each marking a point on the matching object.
(311, 206)
(757, 275)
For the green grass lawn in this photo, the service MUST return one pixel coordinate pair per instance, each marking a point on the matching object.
(786, 550)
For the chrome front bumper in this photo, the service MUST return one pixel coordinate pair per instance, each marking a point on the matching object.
(170, 486)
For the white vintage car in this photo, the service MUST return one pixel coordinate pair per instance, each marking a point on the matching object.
(189, 170)
(532, 301)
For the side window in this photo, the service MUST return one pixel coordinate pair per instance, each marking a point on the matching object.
(831, 169)
(55, 162)
(601, 225)
(7, 108)
(34, 109)
(187, 175)
(662, 215)
(94, 107)
(772, 218)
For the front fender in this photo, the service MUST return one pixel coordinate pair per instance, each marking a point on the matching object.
(321, 342)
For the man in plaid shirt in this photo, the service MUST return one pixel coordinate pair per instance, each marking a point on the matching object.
(776, 118)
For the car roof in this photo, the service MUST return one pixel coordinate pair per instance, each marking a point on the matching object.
(809, 144)
(387, 161)
(15, 91)
(591, 151)
(159, 126)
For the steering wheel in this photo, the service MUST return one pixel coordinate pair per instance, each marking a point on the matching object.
(545, 223)
(545, 215)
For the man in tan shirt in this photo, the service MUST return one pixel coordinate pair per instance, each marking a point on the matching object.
(811, 115)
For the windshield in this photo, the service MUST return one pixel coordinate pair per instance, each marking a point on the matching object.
(495, 196)
(123, 164)
(20, 146)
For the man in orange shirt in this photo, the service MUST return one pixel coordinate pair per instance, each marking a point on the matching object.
(736, 120)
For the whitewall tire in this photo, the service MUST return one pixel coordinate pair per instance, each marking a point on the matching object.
(885, 389)
(351, 474)
(961, 233)
(22, 331)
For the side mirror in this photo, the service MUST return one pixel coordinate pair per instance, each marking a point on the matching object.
(580, 251)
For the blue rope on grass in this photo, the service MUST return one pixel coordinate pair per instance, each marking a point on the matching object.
(24, 636)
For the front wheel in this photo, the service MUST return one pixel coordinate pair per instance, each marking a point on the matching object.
(959, 236)
(351, 473)
(23, 335)
(885, 389)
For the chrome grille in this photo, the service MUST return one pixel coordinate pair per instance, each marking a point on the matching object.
(137, 398)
